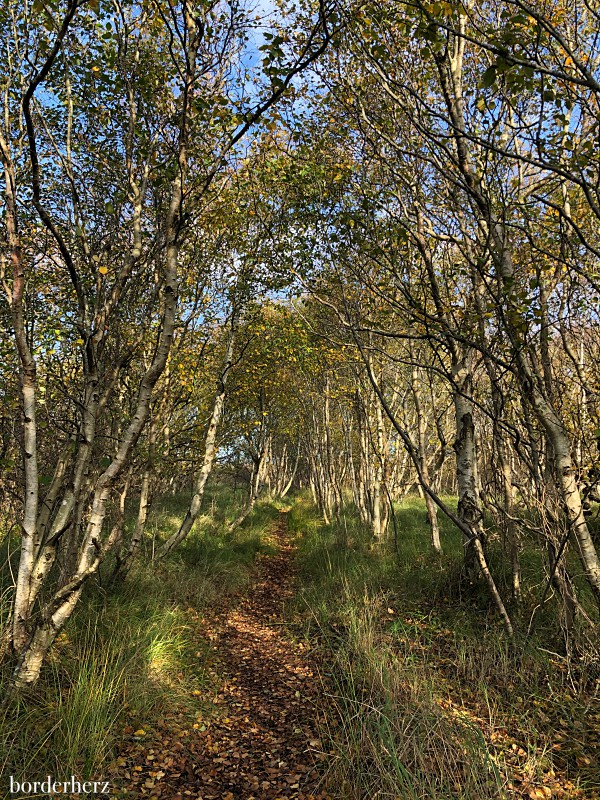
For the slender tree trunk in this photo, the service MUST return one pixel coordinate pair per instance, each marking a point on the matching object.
(290, 483)
(464, 446)
(510, 527)
(30, 540)
(123, 565)
(93, 550)
(331, 478)
(569, 490)
(210, 447)
(380, 514)
(422, 439)
(254, 487)
(561, 581)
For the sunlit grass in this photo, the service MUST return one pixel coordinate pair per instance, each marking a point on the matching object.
(432, 701)
(131, 651)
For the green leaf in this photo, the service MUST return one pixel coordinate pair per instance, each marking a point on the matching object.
(488, 78)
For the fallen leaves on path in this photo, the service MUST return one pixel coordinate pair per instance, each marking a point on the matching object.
(261, 741)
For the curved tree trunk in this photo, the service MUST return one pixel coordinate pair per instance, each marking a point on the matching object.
(58, 609)
(210, 447)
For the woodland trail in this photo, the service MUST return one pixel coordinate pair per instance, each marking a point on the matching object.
(262, 741)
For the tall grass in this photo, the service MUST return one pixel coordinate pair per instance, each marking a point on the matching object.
(393, 737)
(430, 701)
(131, 652)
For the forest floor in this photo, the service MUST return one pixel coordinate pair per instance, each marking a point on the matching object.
(259, 735)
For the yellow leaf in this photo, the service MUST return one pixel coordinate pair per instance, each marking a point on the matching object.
(540, 793)
(103, 270)
(141, 732)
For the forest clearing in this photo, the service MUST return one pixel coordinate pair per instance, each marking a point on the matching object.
(299, 399)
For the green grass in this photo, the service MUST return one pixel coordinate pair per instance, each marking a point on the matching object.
(131, 652)
(429, 699)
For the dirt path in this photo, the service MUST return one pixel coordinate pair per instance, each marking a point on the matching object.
(262, 744)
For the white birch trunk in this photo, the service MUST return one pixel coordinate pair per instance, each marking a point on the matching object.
(210, 447)
(59, 608)
(422, 440)
(464, 446)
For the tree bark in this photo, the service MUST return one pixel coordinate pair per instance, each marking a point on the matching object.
(93, 550)
(422, 442)
(210, 446)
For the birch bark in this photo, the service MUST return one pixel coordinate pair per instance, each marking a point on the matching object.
(210, 445)
(93, 549)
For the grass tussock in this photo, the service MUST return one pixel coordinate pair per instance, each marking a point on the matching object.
(131, 653)
(430, 700)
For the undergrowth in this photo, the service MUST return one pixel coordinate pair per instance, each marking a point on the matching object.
(430, 700)
(131, 652)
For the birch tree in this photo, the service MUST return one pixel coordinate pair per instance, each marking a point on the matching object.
(117, 121)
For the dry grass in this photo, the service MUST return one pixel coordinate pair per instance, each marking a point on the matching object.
(431, 702)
